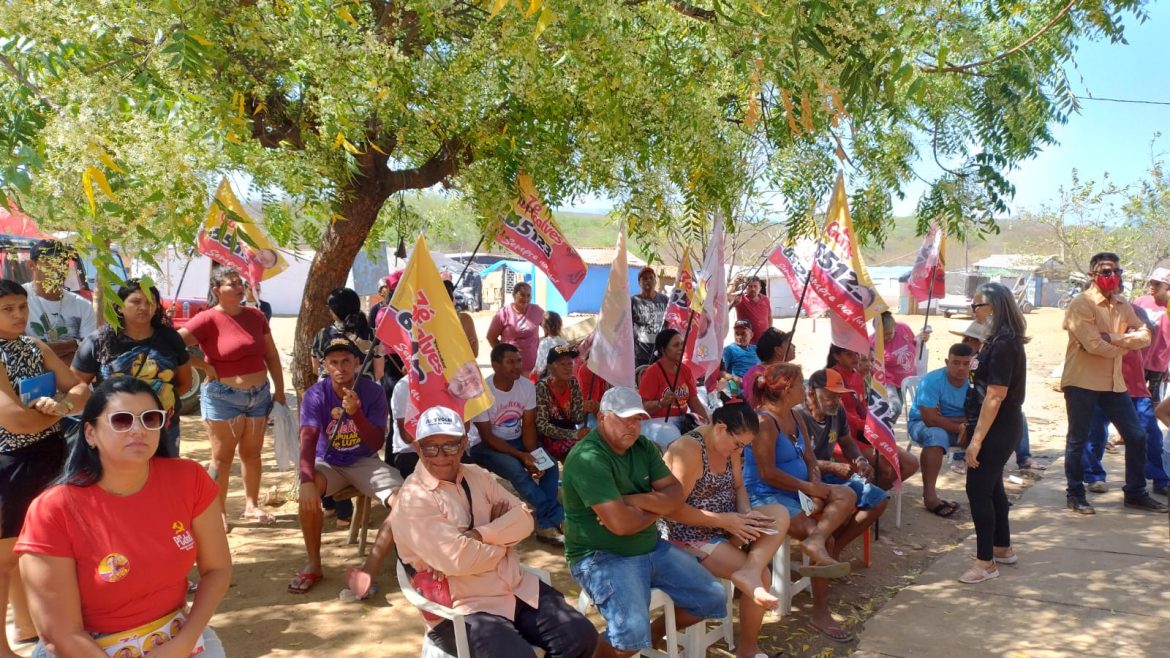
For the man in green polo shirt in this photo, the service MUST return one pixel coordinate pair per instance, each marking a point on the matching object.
(615, 489)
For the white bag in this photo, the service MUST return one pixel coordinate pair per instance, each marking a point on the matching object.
(287, 436)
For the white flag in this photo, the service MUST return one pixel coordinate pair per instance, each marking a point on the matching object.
(713, 279)
(612, 355)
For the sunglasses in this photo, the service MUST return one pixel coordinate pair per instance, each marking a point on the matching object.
(1110, 272)
(151, 419)
(976, 307)
(446, 449)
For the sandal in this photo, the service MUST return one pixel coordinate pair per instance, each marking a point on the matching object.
(360, 583)
(841, 635)
(836, 570)
(1033, 465)
(944, 508)
(977, 574)
(258, 515)
(303, 582)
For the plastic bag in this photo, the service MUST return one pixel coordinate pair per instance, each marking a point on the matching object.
(287, 437)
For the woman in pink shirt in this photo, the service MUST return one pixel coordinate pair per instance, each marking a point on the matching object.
(518, 324)
(901, 355)
(235, 398)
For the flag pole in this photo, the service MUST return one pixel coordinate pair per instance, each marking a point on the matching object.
(800, 304)
(929, 299)
(470, 259)
(677, 373)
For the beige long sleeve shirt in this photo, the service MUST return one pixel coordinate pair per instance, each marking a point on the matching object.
(1091, 362)
(429, 520)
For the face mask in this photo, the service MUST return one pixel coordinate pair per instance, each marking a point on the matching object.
(1108, 284)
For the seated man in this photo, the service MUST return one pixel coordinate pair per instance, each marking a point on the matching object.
(456, 521)
(343, 425)
(616, 489)
(741, 355)
(937, 421)
(506, 433)
(829, 429)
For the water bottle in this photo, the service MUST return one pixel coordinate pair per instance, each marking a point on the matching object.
(186, 309)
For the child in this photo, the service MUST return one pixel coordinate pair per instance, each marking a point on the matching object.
(552, 338)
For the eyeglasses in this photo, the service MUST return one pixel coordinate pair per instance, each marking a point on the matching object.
(976, 307)
(446, 448)
(151, 419)
(1110, 272)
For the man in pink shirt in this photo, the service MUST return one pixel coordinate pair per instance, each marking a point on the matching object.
(456, 521)
(1157, 355)
(753, 307)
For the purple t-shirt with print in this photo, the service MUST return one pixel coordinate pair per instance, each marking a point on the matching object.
(321, 407)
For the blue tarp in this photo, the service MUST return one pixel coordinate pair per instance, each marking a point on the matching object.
(587, 298)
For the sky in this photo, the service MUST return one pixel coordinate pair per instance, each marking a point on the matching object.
(1103, 137)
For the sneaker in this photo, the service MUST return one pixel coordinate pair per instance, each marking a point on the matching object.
(1145, 504)
(1097, 487)
(551, 536)
(977, 574)
(959, 467)
(1079, 505)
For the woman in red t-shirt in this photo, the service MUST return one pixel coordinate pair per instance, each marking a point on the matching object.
(238, 357)
(108, 550)
(667, 386)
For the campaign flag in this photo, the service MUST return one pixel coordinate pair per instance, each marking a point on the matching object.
(708, 351)
(683, 311)
(840, 278)
(928, 278)
(879, 422)
(422, 328)
(612, 354)
(531, 231)
(230, 237)
(785, 259)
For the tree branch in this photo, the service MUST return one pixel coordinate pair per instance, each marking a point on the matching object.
(28, 84)
(962, 68)
(451, 155)
(685, 8)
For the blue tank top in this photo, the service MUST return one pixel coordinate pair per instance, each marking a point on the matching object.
(789, 458)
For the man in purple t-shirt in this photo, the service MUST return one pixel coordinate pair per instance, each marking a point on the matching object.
(343, 425)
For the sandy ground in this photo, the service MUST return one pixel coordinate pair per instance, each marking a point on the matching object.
(259, 618)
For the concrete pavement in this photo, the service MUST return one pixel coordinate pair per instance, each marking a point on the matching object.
(1085, 585)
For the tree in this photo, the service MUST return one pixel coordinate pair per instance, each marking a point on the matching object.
(121, 113)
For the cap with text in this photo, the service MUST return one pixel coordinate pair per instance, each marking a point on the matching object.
(830, 380)
(623, 401)
(438, 421)
(342, 344)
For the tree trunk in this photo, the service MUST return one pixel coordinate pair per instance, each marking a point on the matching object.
(340, 244)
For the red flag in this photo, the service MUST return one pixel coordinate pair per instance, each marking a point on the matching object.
(534, 235)
(879, 422)
(794, 272)
(928, 278)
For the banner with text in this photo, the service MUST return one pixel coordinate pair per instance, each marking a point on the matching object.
(681, 311)
(796, 275)
(928, 278)
(230, 237)
(422, 328)
(879, 422)
(531, 232)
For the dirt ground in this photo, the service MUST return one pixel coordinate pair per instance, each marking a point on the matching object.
(259, 618)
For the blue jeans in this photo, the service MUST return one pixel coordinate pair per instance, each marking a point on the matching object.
(541, 495)
(1099, 430)
(1024, 450)
(1118, 409)
(620, 588)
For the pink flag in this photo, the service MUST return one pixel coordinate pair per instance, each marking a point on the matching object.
(879, 422)
(928, 278)
(532, 233)
(794, 272)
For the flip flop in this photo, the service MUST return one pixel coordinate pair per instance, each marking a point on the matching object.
(261, 516)
(944, 508)
(838, 570)
(360, 583)
(844, 636)
(303, 582)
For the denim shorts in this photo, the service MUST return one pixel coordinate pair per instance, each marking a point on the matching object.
(869, 495)
(931, 437)
(218, 401)
(620, 588)
(790, 502)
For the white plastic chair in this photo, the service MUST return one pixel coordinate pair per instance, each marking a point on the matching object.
(707, 632)
(658, 599)
(429, 648)
(782, 568)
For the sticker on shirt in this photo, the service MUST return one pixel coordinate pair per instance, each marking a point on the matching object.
(346, 437)
(113, 567)
(183, 539)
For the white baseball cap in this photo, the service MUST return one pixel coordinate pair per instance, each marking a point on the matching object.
(623, 401)
(1160, 274)
(438, 420)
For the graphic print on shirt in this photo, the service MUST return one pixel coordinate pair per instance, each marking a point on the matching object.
(183, 539)
(346, 438)
(150, 366)
(509, 420)
(113, 567)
